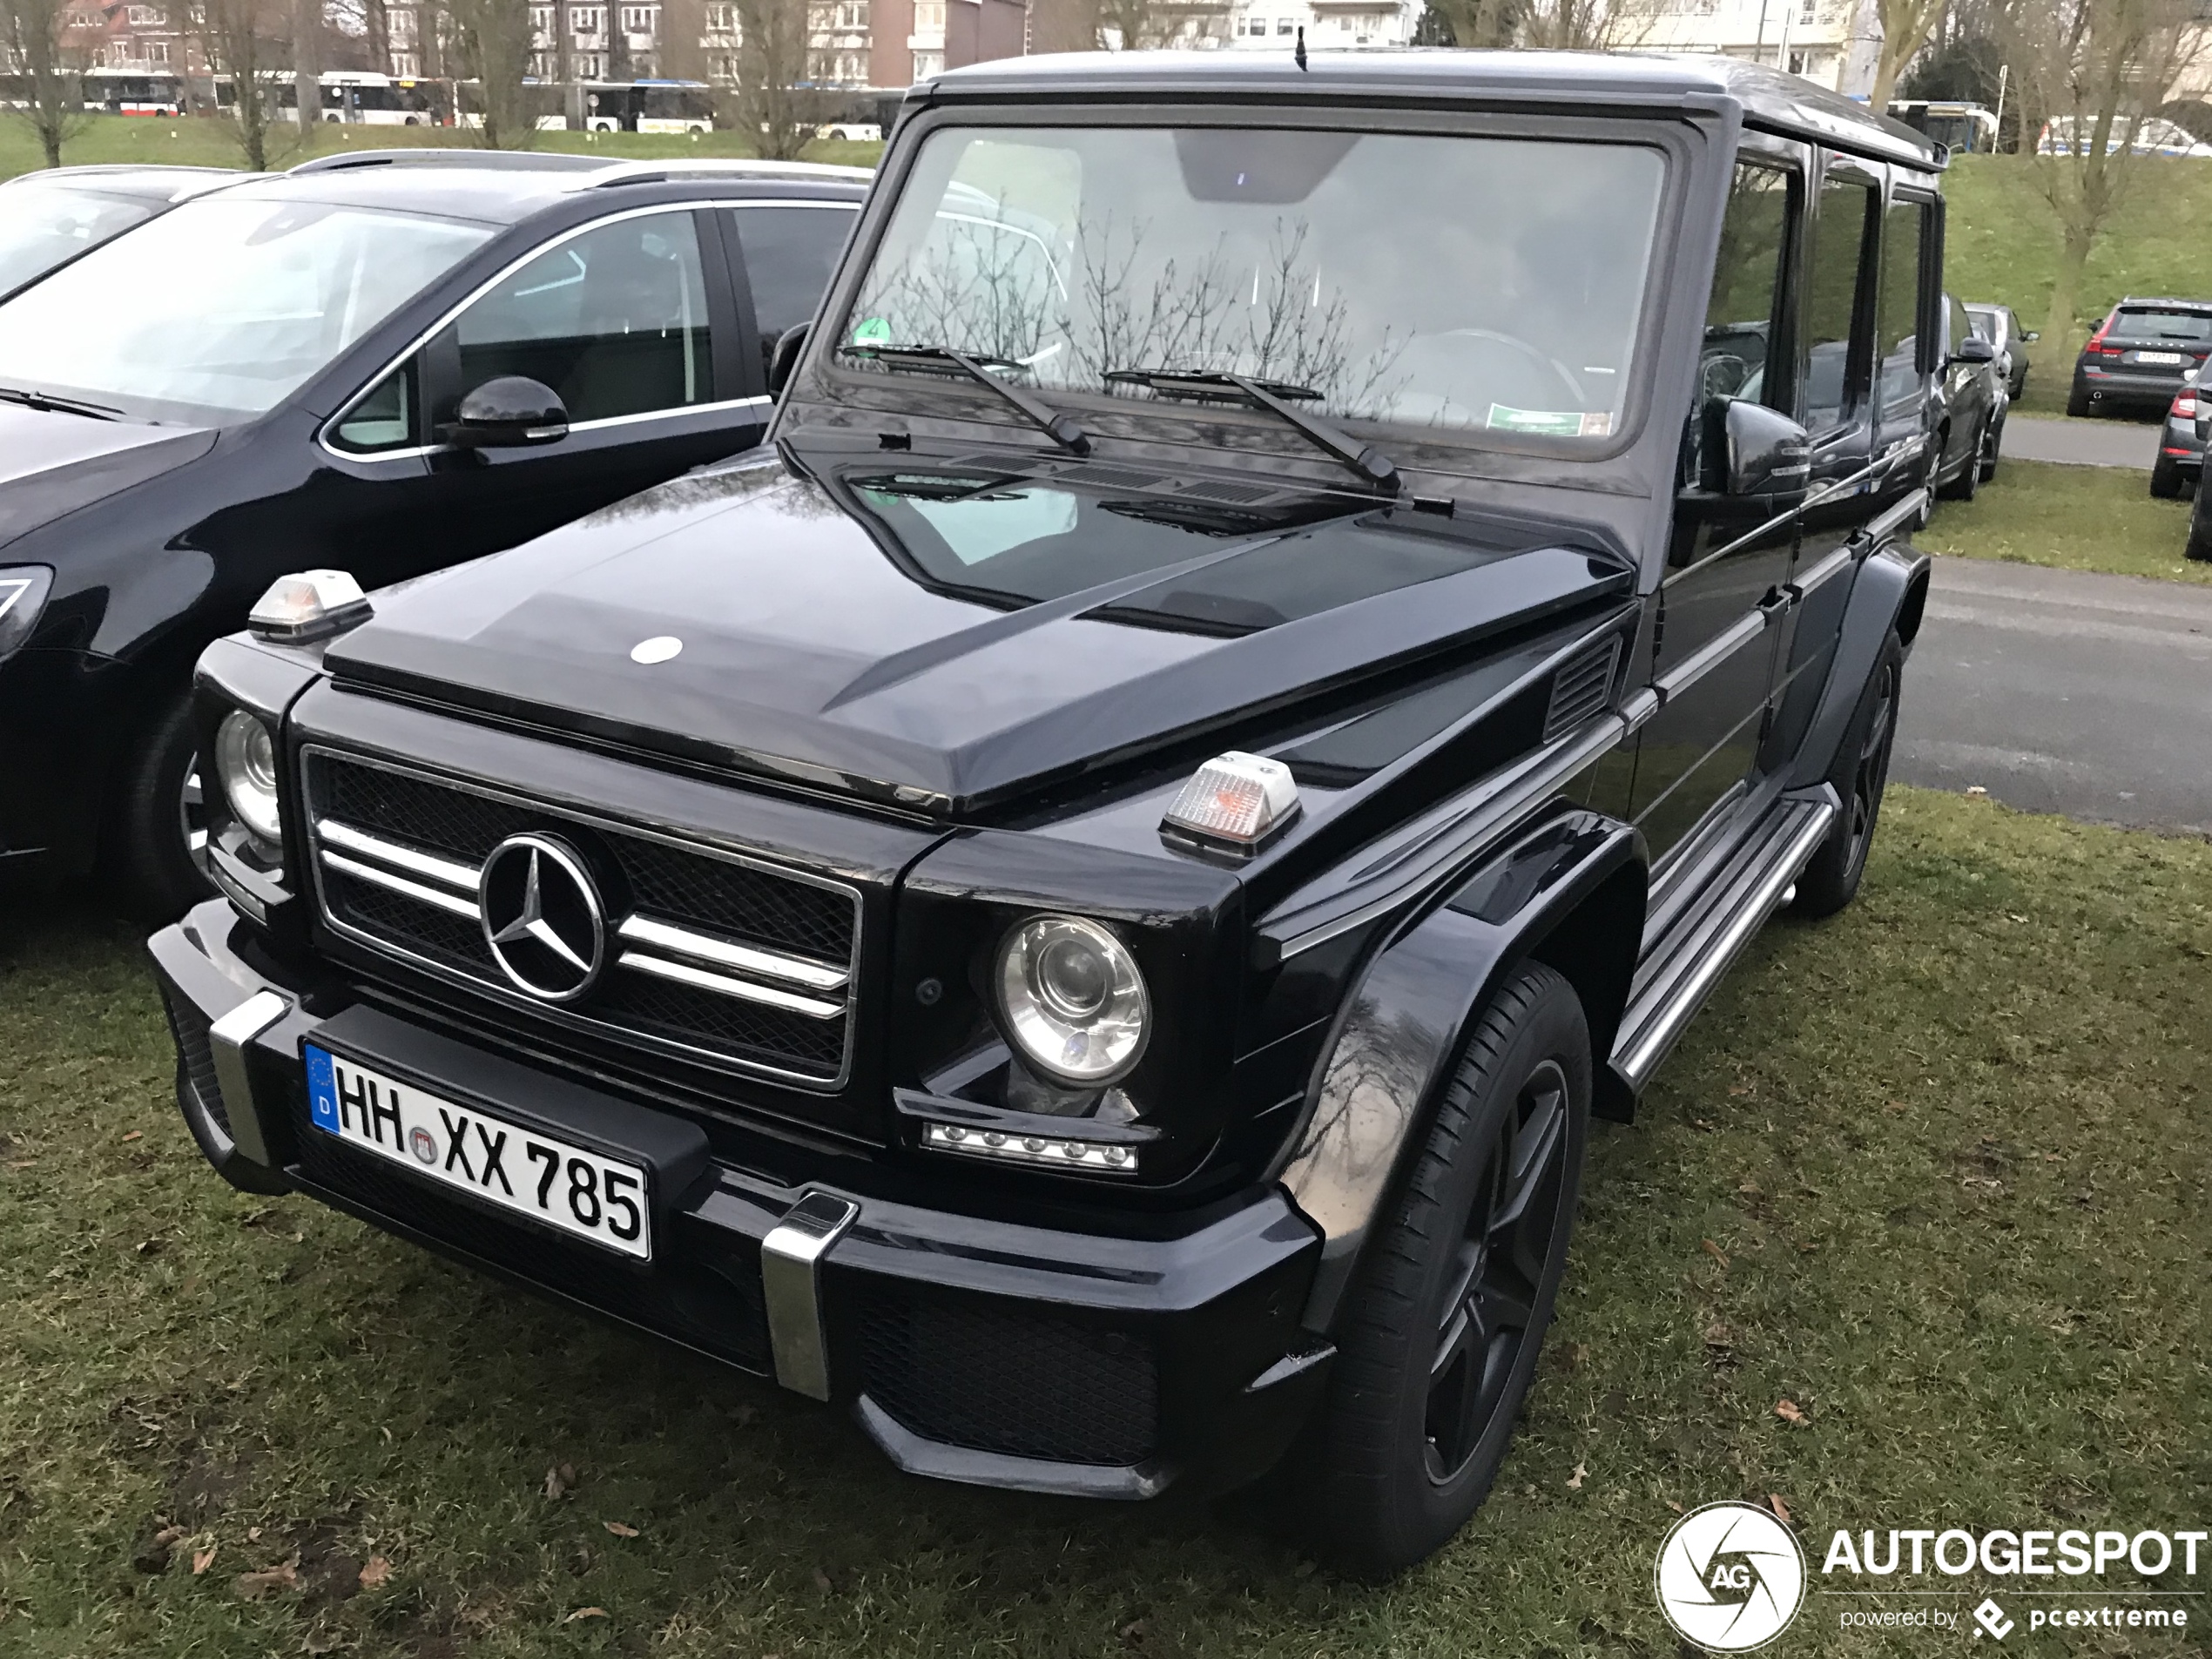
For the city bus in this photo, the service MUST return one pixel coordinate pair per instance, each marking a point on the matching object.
(648, 107)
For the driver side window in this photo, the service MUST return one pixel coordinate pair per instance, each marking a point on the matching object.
(613, 319)
(1744, 353)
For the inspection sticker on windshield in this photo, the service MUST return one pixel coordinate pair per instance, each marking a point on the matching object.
(1551, 423)
(872, 330)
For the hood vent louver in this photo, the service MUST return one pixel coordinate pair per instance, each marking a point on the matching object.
(1581, 687)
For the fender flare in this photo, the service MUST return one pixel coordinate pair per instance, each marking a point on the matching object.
(1890, 590)
(1399, 1034)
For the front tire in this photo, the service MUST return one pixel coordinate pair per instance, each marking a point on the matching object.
(150, 827)
(1992, 445)
(1457, 1291)
(1859, 776)
(1962, 487)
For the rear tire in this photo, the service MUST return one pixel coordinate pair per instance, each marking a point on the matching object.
(2077, 401)
(1859, 775)
(1440, 1347)
(1962, 488)
(148, 839)
(1993, 446)
(2199, 542)
(2166, 479)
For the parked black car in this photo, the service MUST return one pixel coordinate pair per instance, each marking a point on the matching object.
(2001, 329)
(1081, 906)
(1966, 412)
(321, 369)
(48, 217)
(2180, 461)
(2136, 358)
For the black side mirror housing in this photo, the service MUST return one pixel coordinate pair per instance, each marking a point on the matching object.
(2032, 335)
(783, 357)
(1974, 350)
(1752, 450)
(509, 412)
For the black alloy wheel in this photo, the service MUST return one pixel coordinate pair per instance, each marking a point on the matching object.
(1439, 1340)
(2199, 546)
(1859, 775)
(1497, 1274)
(154, 841)
(1967, 479)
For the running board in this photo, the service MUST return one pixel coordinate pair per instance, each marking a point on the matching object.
(1672, 983)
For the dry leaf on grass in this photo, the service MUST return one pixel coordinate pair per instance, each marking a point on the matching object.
(204, 1559)
(1780, 1509)
(1714, 1251)
(285, 1576)
(620, 1529)
(1672, 1505)
(1788, 1411)
(133, 1136)
(375, 1571)
(1574, 1480)
(585, 1613)
(1716, 1336)
(560, 1480)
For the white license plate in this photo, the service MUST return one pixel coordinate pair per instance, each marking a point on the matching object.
(564, 1187)
(2160, 357)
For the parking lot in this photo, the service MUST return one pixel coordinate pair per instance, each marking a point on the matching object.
(1909, 1231)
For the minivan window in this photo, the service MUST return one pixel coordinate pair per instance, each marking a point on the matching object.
(790, 253)
(220, 309)
(44, 225)
(1317, 259)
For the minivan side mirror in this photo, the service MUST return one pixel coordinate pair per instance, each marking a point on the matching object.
(2032, 335)
(1974, 350)
(1754, 450)
(509, 412)
(783, 357)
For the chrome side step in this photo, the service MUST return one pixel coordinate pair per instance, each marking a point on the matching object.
(1672, 983)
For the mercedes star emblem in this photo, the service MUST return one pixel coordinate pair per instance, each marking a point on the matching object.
(541, 917)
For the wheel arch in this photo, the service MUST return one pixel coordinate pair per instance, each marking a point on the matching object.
(1890, 590)
(1570, 893)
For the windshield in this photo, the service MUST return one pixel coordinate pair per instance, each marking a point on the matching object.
(2141, 323)
(41, 227)
(1460, 284)
(216, 312)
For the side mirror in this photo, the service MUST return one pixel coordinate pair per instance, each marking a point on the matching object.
(1753, 451)
(511, 411)
(2032, 335)
(1974, 350)
(783, 357)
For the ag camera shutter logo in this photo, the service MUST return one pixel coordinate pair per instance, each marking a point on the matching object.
(1729, 1577)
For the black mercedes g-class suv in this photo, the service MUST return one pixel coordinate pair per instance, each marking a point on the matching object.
(1299, 613)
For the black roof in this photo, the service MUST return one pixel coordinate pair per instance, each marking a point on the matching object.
(1624, 81)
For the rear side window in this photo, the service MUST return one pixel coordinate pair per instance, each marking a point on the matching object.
(2146, 322)
(790, 253)
(1831, 300)
(614, 321)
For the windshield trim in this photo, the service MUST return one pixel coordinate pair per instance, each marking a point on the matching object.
(846, 391)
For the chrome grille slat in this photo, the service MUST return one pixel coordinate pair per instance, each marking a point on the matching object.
(800, 1027)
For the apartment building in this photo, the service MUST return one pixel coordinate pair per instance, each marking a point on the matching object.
(1832, 43)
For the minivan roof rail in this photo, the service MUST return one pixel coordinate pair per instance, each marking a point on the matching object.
(441, 156)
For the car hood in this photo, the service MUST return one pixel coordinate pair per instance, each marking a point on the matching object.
(51, 464)
(829, 638)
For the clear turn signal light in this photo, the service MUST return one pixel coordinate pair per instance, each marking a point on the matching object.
(1236, 800)
(308, 604)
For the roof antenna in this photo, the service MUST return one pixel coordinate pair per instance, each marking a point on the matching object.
(1298, 55)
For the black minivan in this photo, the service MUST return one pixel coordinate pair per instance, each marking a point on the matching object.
(385, 363)
(2138, 357)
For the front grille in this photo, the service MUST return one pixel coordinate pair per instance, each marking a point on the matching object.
(709, 954)
(971, 1374)
(721, 1312)
(190, 1027)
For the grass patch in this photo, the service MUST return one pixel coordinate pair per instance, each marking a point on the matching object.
(207, 141)
(2071, 518)
(1953, 1147)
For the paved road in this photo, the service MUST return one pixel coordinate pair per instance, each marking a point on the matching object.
(2115, 442)
(2063, 692)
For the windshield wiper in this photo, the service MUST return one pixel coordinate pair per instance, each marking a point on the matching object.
(942, 360)
(1206, 385)
(48, 403)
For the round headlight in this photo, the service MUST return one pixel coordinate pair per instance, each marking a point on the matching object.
(1074, 1001)
(245, 763)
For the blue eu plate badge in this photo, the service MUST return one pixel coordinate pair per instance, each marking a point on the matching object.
(322, 1091)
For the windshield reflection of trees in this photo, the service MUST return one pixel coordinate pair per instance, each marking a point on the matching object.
(993, 290)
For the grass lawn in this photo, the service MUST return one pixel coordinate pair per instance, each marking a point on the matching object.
(211, 142)
(1936, 1171)
(2075, 518)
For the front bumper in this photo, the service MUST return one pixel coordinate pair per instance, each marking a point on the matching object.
(970, 1348)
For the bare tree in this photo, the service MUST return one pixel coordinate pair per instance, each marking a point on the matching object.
(32, 31)
(1905, 26)
(769, 104)
(1133, 25)
(1063, 25)
(491, 45)
(2094, 70)
(1554, 25)
(238, 39)
(306, 64)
